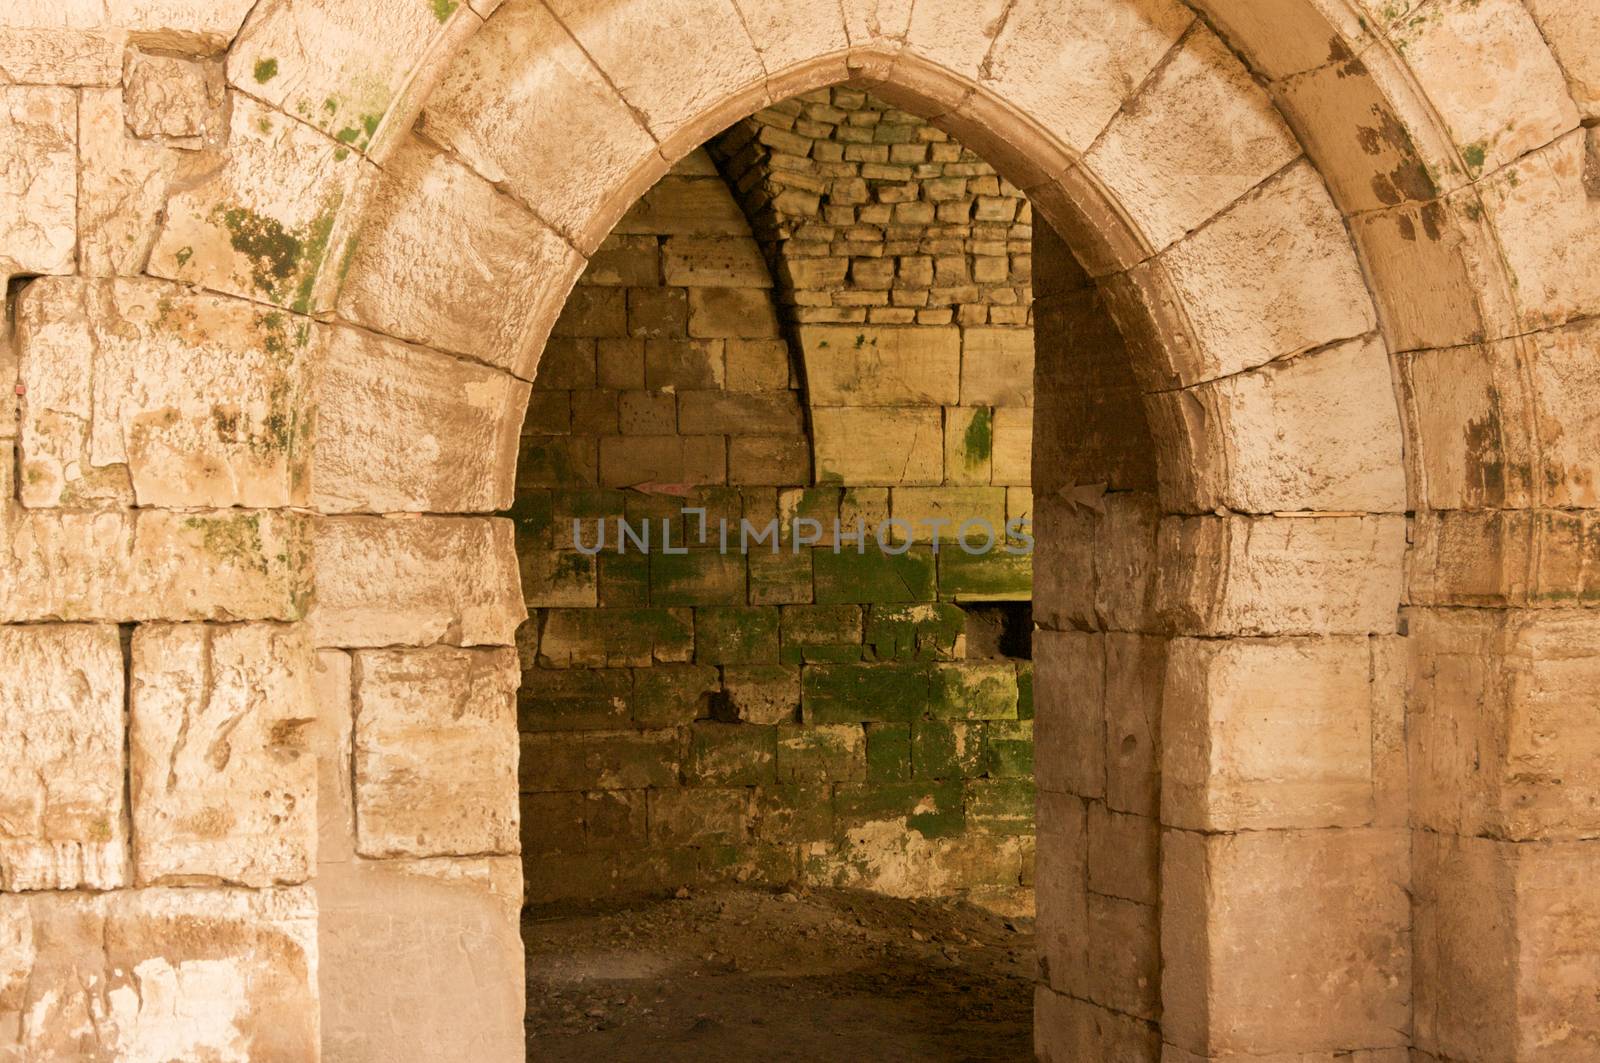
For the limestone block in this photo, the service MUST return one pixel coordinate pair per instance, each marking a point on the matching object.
(996, 367)
(876, 23)
(732, 313)
(715, 262)
(1566, 386)
(955, 34)
(63, 822)
(629, 460)
(1072, 66)
(244, 218)
(122, 186)
(642, 51)
(493, 110)
(1272, 276)
(603, 760)
(1124, 955)
(160, 974)
(38, 179)
(198, 400)
(1062, 892)
(222, 779)
(1066, 1029)
(174, 99)
(1013, 446)
(1319, 432)
(1570, 30)
(786, 35)
(1199, 135)
(1124, 855)
(873, 366)
(332, 743)
(1499, 739)
(1262, 734)
(380, 922)
(905, 445)
(1069, 712)
(435, 752)
(686, 204)
(1298, 941)
(953, 507)
(405, 428)
(336, 67)
(1471, 420)
(44, 54)
(1490, 76)
(414, 582)
(1545, 217)
(1506, 948)
(1281, 575)
(445, 260)
(1135, 673)
(152, 565)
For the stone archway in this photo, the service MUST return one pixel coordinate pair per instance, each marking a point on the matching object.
(1345, 152)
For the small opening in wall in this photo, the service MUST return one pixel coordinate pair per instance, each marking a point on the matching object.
(998, 630)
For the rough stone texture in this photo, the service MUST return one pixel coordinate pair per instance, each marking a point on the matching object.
(221, 778)
(447, 440)
(379, 922)
(122, 186)
(1334, 906)
(414, 582)
(38, 227)
(156, 974)
(475, 257)
(489, 111)
(256, 216)
(176, 100)
(63, 824)
(189, 400)
(435, 752)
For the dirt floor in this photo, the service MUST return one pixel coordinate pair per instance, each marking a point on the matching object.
(738, 974)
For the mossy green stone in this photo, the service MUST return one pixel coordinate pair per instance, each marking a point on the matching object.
(699, 577)
(974, 691)
(889, 752)
(574, 699)
(670, 695)
(863, 693)
(874, 576)
(926, 630)
(732, 754)
(1001, 806)
(736, 635)
(993, 576)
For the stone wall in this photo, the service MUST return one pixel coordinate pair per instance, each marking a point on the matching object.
(787, 710)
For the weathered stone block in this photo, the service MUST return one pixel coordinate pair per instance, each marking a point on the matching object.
(38, 228)
(700, 817)
(221, 772)
(192, 400)
(1299, 940)
(1070, 718)
(1230, 762)
(996, 575)
(435, 752)
(617, 760)
(732, 313)
(186, 973)
(874, 576)
(122, 186)
(673, 695)
(930, 630)
(443, 579)
(574, 699)
(731, 754)
(615, 638)
(906, 445)
(996, 367)
(973, 691)
(177, 99)
(446, 260)
(63, 820)
(932, 809)
(1000, 806)
(402, 428)
(242, 219)
(821, 753)
(858, 693)
(861, 366)
(741, 635)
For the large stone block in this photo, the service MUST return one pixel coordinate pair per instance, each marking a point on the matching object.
(1507, 948)
(340, 68)
(492, 110)
(122, 186)
(152, 565)
(435, 752)
(1281, 575)
(612, 760)
(1199, 135)
(446, 260)
(38, 179)
(256, 214)
(159, 974)
(996, 366)
(1292, 941)
(405, 428)
(380, 922)
(1260, 734)
(1284, 258)
(63, 820)
(1069, 715)
(1500, 725)
(193, 400)
(906, 445)
(858, 365)
(415, 581)
(222, 779)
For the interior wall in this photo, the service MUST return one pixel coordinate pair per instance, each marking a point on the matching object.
(783, 711)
